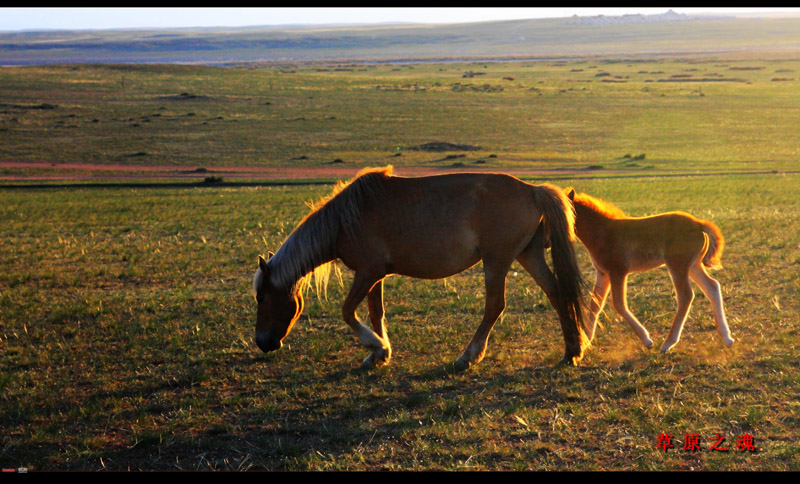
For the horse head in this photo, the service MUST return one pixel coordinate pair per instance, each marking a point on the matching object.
(278, 309)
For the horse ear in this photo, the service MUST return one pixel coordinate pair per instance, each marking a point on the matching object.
(269, 255)
(570, 193)
(262, 264)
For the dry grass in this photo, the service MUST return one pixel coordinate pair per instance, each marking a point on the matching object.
(127, 343)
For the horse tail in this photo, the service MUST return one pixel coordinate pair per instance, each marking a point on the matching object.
(559, 222)
(716, 243)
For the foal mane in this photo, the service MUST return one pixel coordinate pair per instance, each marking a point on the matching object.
(606, 209)
(310, 248)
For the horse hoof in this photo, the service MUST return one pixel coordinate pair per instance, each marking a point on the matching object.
(376, 359)
(728, 342)
(568, 361)
(370, 364)
(666, 347)
(461, 364)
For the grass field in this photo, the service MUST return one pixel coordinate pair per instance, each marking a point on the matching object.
(127, 343)
(734, 113)
(126, 318)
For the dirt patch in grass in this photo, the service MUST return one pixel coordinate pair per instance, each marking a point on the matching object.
(185, 96)
(440, 146)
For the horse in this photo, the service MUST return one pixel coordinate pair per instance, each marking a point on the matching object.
(619, 245)
(428, 227)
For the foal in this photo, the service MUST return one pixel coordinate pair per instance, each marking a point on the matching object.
(619, 245)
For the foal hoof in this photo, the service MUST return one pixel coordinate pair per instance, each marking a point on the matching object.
(728, 342)
(667, 346)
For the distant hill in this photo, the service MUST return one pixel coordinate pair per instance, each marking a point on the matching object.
(669, 33)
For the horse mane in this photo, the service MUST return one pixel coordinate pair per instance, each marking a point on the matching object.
(310, 248)
(606, 209)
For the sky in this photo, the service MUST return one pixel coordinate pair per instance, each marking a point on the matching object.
(44, 18)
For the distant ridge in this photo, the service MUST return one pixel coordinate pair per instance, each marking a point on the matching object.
(668, 16)
(670, 33)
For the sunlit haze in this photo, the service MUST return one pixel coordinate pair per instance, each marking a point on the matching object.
(12, 19)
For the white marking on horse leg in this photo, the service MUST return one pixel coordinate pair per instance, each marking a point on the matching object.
(472, 355)
(713, 292)
(381, 350)
(378, 323)
(368, 337)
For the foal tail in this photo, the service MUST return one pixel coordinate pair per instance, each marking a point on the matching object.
(716, 243)
(559, 222)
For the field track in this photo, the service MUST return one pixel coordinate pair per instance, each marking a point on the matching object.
(77, 172)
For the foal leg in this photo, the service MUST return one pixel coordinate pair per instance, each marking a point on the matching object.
(533, 260)
(495, 281)
(713, 292)
(685, 295)
(378, 321)
(619, 297)
(602, 285)
(381, 351)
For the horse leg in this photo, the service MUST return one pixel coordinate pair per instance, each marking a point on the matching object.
(362, 284)
(602, 285)
(533, 260)
(619, 298)
(685, 296)
(495, 282)
(713, 292)
(378, 321)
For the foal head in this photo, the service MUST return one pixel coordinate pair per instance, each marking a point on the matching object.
(590, 204)
(278, 309)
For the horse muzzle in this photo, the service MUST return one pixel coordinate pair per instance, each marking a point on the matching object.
(267, 343)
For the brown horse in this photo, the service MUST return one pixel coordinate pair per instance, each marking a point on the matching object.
(428, 227)
(619, 245)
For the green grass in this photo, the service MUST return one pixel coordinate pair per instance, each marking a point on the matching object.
(523, 114)
(127, 323)
(127, 327)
